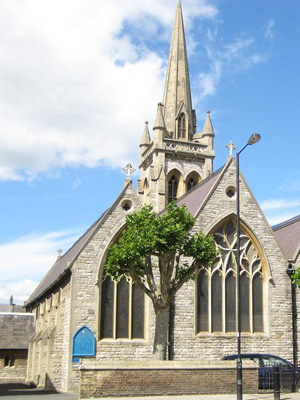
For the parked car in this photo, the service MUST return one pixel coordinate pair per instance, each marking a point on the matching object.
(289, 374)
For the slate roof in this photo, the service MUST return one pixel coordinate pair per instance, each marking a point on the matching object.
(195, 198)
(15, 330)
(288, 236)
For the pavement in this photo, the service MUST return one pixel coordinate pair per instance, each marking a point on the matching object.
(20, 391)
(24, 392)
(264, 396)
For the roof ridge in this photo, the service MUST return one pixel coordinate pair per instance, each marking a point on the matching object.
(286, 223)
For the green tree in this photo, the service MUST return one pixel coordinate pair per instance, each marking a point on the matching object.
(163, 243)
(296, 277)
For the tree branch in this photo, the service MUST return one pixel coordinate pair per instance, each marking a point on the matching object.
(149, 274)
(138, 281)
(184, 278)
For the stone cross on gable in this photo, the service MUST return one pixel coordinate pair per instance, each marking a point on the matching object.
(129, 169)
(230, 146)
(59, 252)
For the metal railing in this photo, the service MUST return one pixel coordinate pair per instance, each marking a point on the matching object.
(267, 373)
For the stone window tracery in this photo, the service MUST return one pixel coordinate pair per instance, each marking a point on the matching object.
(191, 183)
(122, 310)
(172, 188)
(217, 287)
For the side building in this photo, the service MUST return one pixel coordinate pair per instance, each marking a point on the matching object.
(16, 329)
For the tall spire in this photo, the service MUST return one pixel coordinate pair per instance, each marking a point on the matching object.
(177, 95)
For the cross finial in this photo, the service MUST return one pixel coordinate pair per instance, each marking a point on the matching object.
(230, 146)
(59, 252)
(129, 169)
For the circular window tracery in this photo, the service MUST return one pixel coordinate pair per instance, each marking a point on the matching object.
(230, 192)
(126, 205)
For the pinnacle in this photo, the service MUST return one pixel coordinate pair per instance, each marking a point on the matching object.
(159, 121)
(146, 135)
(208, 128)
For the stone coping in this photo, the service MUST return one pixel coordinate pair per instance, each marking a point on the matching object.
(152, 364)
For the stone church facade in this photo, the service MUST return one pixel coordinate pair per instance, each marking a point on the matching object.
(87, 322)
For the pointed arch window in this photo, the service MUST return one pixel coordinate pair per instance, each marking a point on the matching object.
(122, 310)
(192, 180)
(181, 127)
(217, 287)
(172, 188)
(191, 183)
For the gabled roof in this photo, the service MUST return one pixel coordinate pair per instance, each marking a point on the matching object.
(288, 236)
(63, 265)
(15, 330)
(195, 198)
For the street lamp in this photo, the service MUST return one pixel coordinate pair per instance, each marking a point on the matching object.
(254, 138)
(290, 271)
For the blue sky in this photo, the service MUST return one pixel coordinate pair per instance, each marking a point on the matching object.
(79, 78)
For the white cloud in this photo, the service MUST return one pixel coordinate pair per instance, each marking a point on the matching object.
(75, 87)
(278, 218)
(21, 290)
(291, 184)
(26, 260)
(275, 204)
(269, 30)
(76, 184)
(280, 210)
(234, 57)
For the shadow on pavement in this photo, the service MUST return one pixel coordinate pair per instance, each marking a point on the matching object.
(20, 389)
(16, 391)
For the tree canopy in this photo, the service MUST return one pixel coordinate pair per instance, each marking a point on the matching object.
(151, 241)
(296, 277)
(162, 242)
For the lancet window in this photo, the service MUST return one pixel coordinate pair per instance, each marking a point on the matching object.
(217, 287)
(172, 188)
(191, 183)
(181, 127)
(122, 310)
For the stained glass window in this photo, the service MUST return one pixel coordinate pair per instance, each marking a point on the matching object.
(217, 287)
(122, 310)
(172, 188)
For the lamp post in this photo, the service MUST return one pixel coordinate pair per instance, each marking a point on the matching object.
(252, 140)
(290, 271)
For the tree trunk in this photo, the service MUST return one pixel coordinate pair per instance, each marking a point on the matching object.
(161, 334)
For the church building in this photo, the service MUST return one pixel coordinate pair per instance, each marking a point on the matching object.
(88, 327)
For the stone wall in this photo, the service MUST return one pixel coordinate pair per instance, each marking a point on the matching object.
(17, 372)
(277, 338)
(48, 349)
(164, 378)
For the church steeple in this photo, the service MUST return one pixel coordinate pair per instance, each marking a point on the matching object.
(177, 157)
(178, 114)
